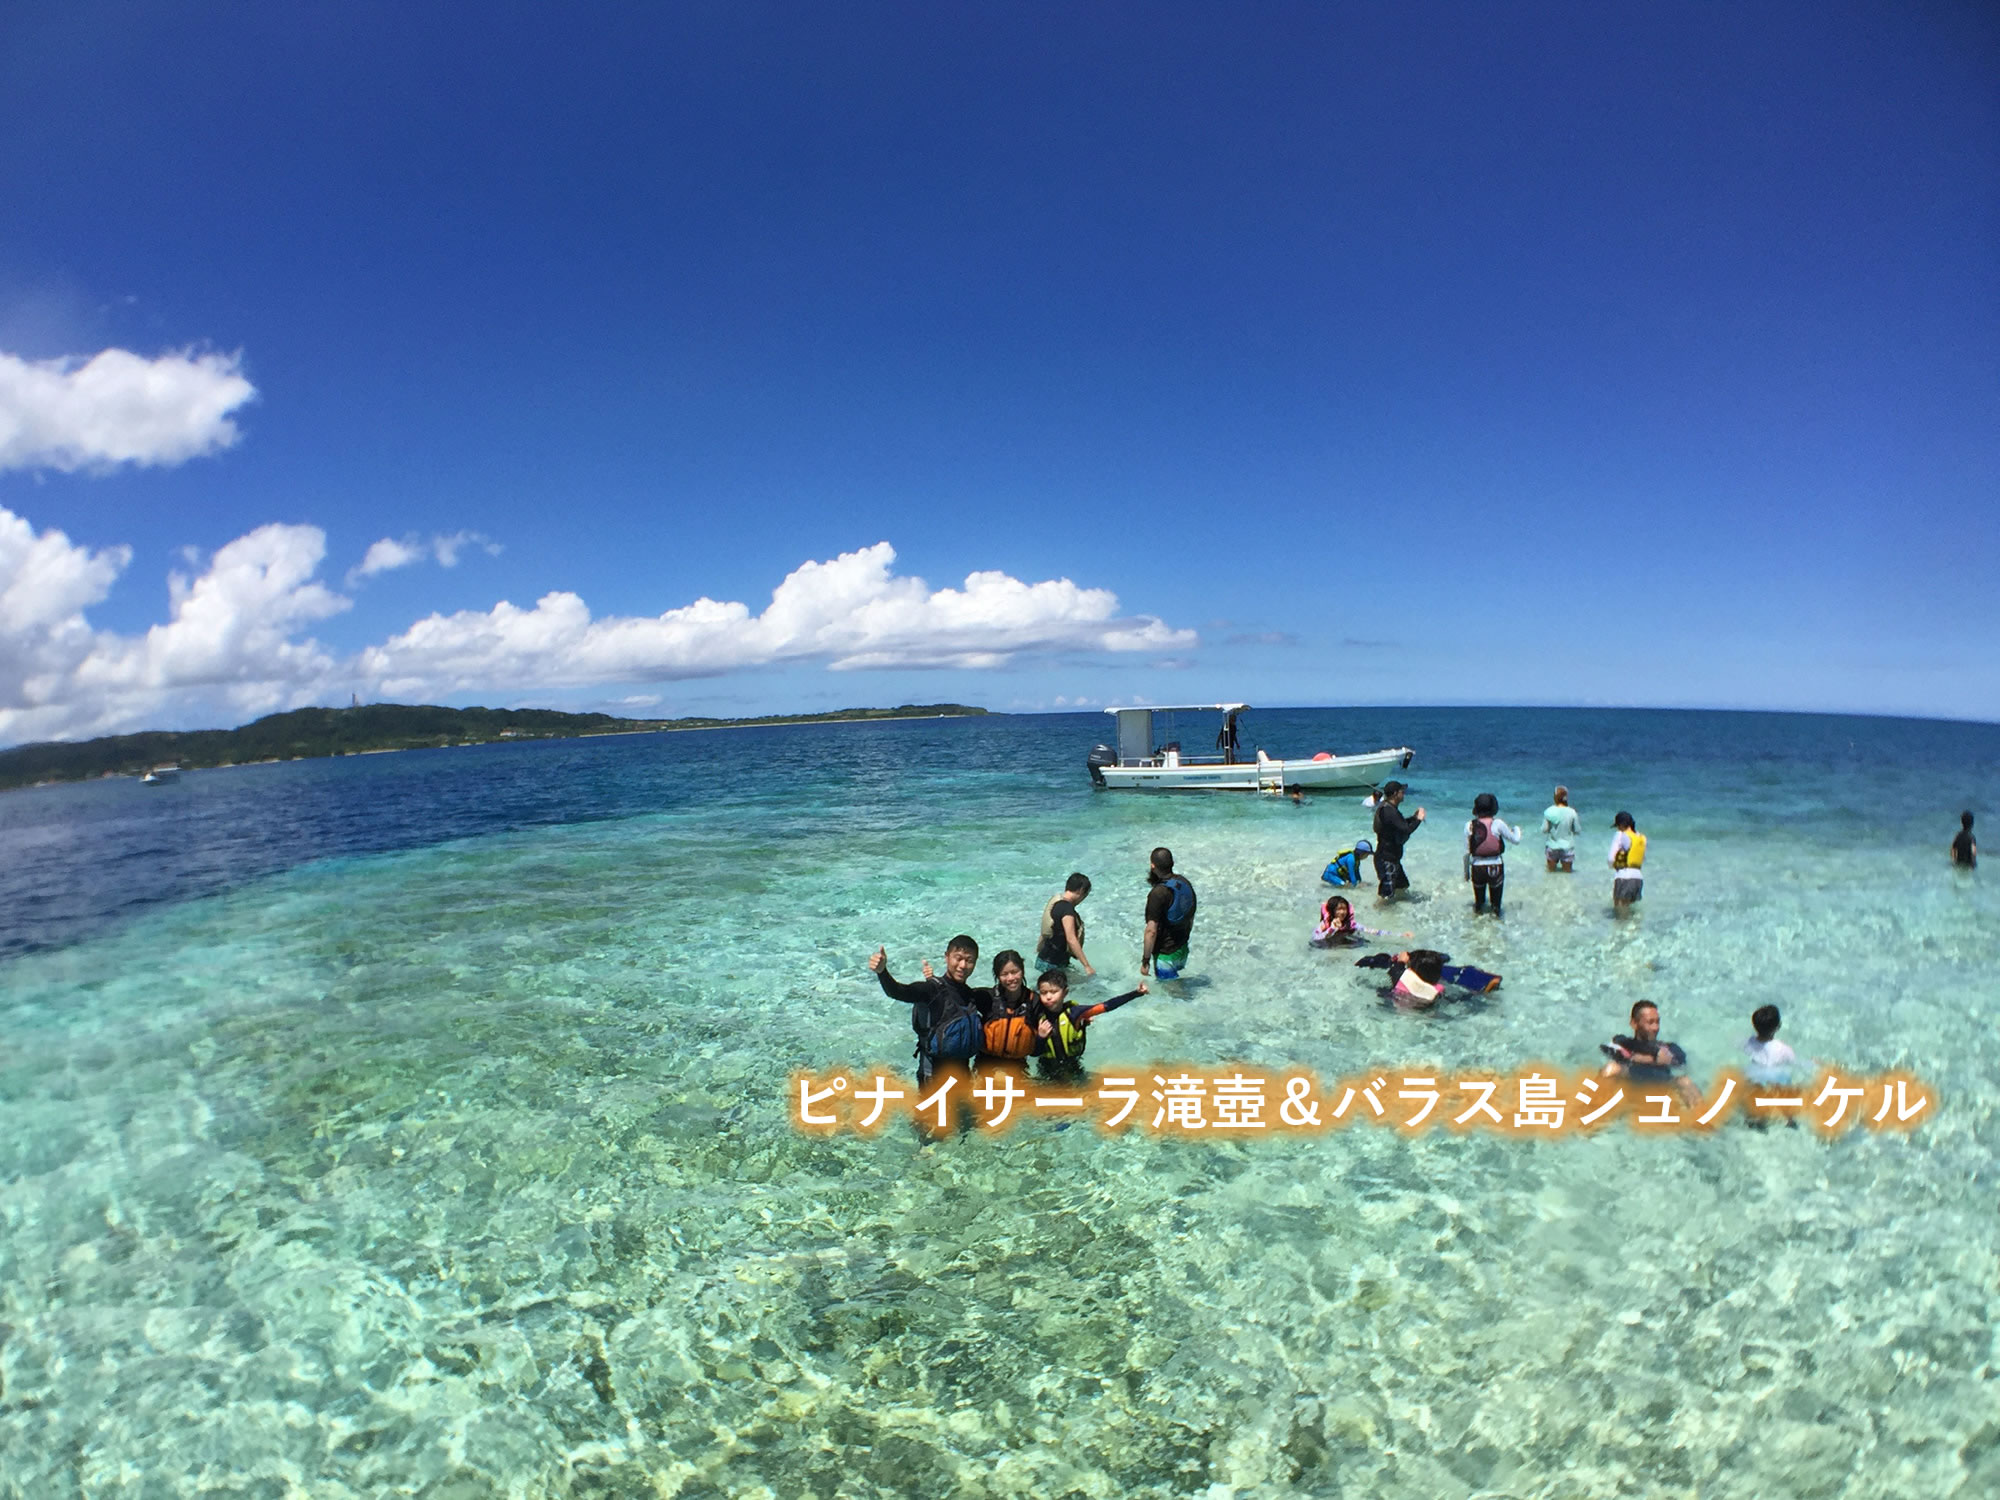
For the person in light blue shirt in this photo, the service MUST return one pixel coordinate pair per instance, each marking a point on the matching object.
(1559, 829)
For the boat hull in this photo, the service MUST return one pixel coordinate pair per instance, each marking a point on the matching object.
(1335, 773)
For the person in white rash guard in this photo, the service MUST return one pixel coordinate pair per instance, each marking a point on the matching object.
(1486, 841)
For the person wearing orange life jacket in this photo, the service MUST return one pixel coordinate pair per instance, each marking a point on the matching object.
(1010, 1026)
(1628, 854)
(1486, 840)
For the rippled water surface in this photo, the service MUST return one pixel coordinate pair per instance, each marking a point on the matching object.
(414, 1125)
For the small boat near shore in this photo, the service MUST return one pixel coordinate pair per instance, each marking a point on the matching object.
(1149, 757)
(160, 776)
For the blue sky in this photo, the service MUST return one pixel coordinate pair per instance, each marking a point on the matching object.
(1446, 353)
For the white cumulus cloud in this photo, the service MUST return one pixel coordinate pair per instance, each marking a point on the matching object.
(230, 640)
(237, 642)
(851, 612)
(391, 553)
(117, 407)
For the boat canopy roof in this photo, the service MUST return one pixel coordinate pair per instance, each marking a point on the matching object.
(1179, 708)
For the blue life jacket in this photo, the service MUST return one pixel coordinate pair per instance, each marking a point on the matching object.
(1182, 906)
(1346, 866)
(955, 1030)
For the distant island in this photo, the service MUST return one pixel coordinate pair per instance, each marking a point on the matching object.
(310, 733)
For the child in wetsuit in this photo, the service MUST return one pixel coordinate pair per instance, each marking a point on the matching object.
(1418, 977)
(1060, 1026)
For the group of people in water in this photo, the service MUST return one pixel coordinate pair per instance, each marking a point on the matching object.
(1010, 1024)
(1487, 836)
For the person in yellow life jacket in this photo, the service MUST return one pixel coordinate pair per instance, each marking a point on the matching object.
(1628, 854)
(1060, 1027)
(1010, 1028)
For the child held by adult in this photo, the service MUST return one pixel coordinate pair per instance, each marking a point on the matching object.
(1644, 1058)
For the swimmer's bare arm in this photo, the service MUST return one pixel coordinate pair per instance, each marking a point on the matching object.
(1075, 941)
(1146, 952)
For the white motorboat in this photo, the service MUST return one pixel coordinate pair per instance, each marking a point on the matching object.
(1149, 757)
(160, 776)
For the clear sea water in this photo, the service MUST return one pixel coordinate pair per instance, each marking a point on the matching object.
(415, 1125)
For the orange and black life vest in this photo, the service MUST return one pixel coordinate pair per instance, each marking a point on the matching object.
(1009, 1038)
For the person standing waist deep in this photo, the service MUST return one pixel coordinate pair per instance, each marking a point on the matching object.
(1486, 840)
(1560, 825)
(1169, 918)
(1392, 831)
(1062, 928)
(1627, 860)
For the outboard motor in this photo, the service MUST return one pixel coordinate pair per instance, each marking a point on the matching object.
(1101, 757)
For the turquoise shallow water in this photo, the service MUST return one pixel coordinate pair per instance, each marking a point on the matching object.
(456, 1163)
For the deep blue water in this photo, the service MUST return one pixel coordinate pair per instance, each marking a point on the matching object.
(76, 858)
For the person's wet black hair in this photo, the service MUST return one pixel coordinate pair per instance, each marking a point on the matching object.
(1623, 820)
(1055, 977)
(1079, 882)
(1485, 805)
(1766, 1019)
(1163, 860)
(1005, 957)
(1965, 821)
(1639, 1005)
(963, 944)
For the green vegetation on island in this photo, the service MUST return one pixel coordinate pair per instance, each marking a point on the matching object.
(310, 733)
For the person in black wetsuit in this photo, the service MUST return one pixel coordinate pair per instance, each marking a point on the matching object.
(1433, 969)
(1964, 850)
(1392, 831)
(937, 1001)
